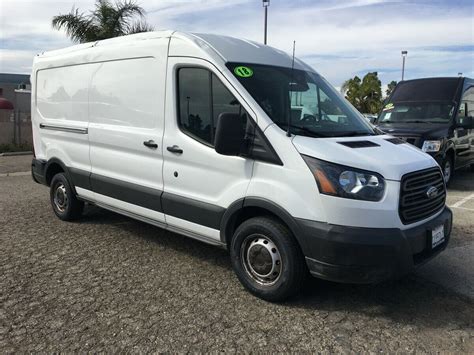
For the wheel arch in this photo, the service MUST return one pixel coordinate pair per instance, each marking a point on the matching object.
(450, 150)
(249, 207)
(53, 167)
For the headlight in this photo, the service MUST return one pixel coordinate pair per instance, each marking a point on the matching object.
(431, 146)
(347, 182)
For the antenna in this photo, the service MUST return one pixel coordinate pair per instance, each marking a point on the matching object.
(288, 134)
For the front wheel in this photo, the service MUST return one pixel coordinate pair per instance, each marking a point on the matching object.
(63, 200)
(267, 259)
(448, 169)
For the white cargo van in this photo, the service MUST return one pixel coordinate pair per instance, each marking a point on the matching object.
(230, 142)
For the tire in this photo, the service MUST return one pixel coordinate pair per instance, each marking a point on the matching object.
(447, 168)
(63, 199)
(273, 249)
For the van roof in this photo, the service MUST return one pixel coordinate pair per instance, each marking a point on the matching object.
(227, 48)
(427, 89)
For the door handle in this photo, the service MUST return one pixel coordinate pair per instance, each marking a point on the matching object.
(150, 144)
(175, 149)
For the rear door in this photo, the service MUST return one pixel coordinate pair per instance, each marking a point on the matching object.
(199, 184)
(60, 116)
(126, 103)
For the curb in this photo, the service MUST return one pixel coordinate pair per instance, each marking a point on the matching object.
(18, 173)
(12, 154)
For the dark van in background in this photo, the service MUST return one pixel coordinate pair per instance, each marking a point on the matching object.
(437, 116)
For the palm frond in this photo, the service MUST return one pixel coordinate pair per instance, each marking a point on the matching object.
(107, 20)
(78, 27)
(139, 27)
(125, 12)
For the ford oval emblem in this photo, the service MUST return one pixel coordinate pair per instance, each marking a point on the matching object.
(432, 192)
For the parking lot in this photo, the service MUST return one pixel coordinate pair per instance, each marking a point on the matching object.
(111, 283)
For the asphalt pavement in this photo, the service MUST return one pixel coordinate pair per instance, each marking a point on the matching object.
(110, 283)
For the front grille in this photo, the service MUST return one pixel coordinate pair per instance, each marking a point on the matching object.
(415, 204)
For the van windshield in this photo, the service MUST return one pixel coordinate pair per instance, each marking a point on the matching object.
(301, 99)
(417, 112)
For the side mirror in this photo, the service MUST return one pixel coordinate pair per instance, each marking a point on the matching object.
(230, 134)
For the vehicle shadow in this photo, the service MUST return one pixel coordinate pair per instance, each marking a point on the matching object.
(206, 253)
(410, 300)
(463, 180)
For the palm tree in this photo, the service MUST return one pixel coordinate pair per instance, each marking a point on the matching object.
(366, 94)
(107, 20)
(390, 87)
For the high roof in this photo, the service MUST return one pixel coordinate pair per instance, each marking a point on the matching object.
(233, 49)
(228, 49)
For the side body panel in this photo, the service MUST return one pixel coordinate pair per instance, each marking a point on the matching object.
(126, 112)
(199, 183)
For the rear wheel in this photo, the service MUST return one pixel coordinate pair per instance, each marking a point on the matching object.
(63, 200)
(267, 259)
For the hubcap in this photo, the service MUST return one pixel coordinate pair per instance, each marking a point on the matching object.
(447, 171)
(60, 198)
(261, 259)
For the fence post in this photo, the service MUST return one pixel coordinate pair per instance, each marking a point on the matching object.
(19, 127)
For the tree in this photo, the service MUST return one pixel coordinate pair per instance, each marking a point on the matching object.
(107, 20)
(390, 87)
(365, 94)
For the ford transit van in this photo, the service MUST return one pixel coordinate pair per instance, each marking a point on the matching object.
(235, 144)
(435, 115)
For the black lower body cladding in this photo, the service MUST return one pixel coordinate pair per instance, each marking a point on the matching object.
(180, 207)
(368, 255)
(38, 168)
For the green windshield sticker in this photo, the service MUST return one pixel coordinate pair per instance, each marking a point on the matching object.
(243, 72)
(388, 107)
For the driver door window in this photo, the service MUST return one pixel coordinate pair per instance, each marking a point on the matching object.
(202, 98)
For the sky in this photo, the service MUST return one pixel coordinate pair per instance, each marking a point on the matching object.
(338, 38)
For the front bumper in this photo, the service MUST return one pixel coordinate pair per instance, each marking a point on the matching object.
(368, 255)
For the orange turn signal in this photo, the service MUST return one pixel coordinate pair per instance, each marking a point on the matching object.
(325, 184)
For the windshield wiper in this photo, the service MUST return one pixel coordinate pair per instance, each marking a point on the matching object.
(306, 130)
(355, 134)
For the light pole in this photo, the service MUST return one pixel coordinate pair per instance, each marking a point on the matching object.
(404, 55)
(266, 4)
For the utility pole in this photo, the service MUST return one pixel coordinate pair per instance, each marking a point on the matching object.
(404, 54)
(266, 4)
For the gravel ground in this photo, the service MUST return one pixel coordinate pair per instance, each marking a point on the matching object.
(109, 283)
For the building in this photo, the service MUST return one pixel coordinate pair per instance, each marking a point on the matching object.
(15, 111)
(11, 82)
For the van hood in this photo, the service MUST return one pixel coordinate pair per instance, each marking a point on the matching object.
(390, 160)
(428, 130)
